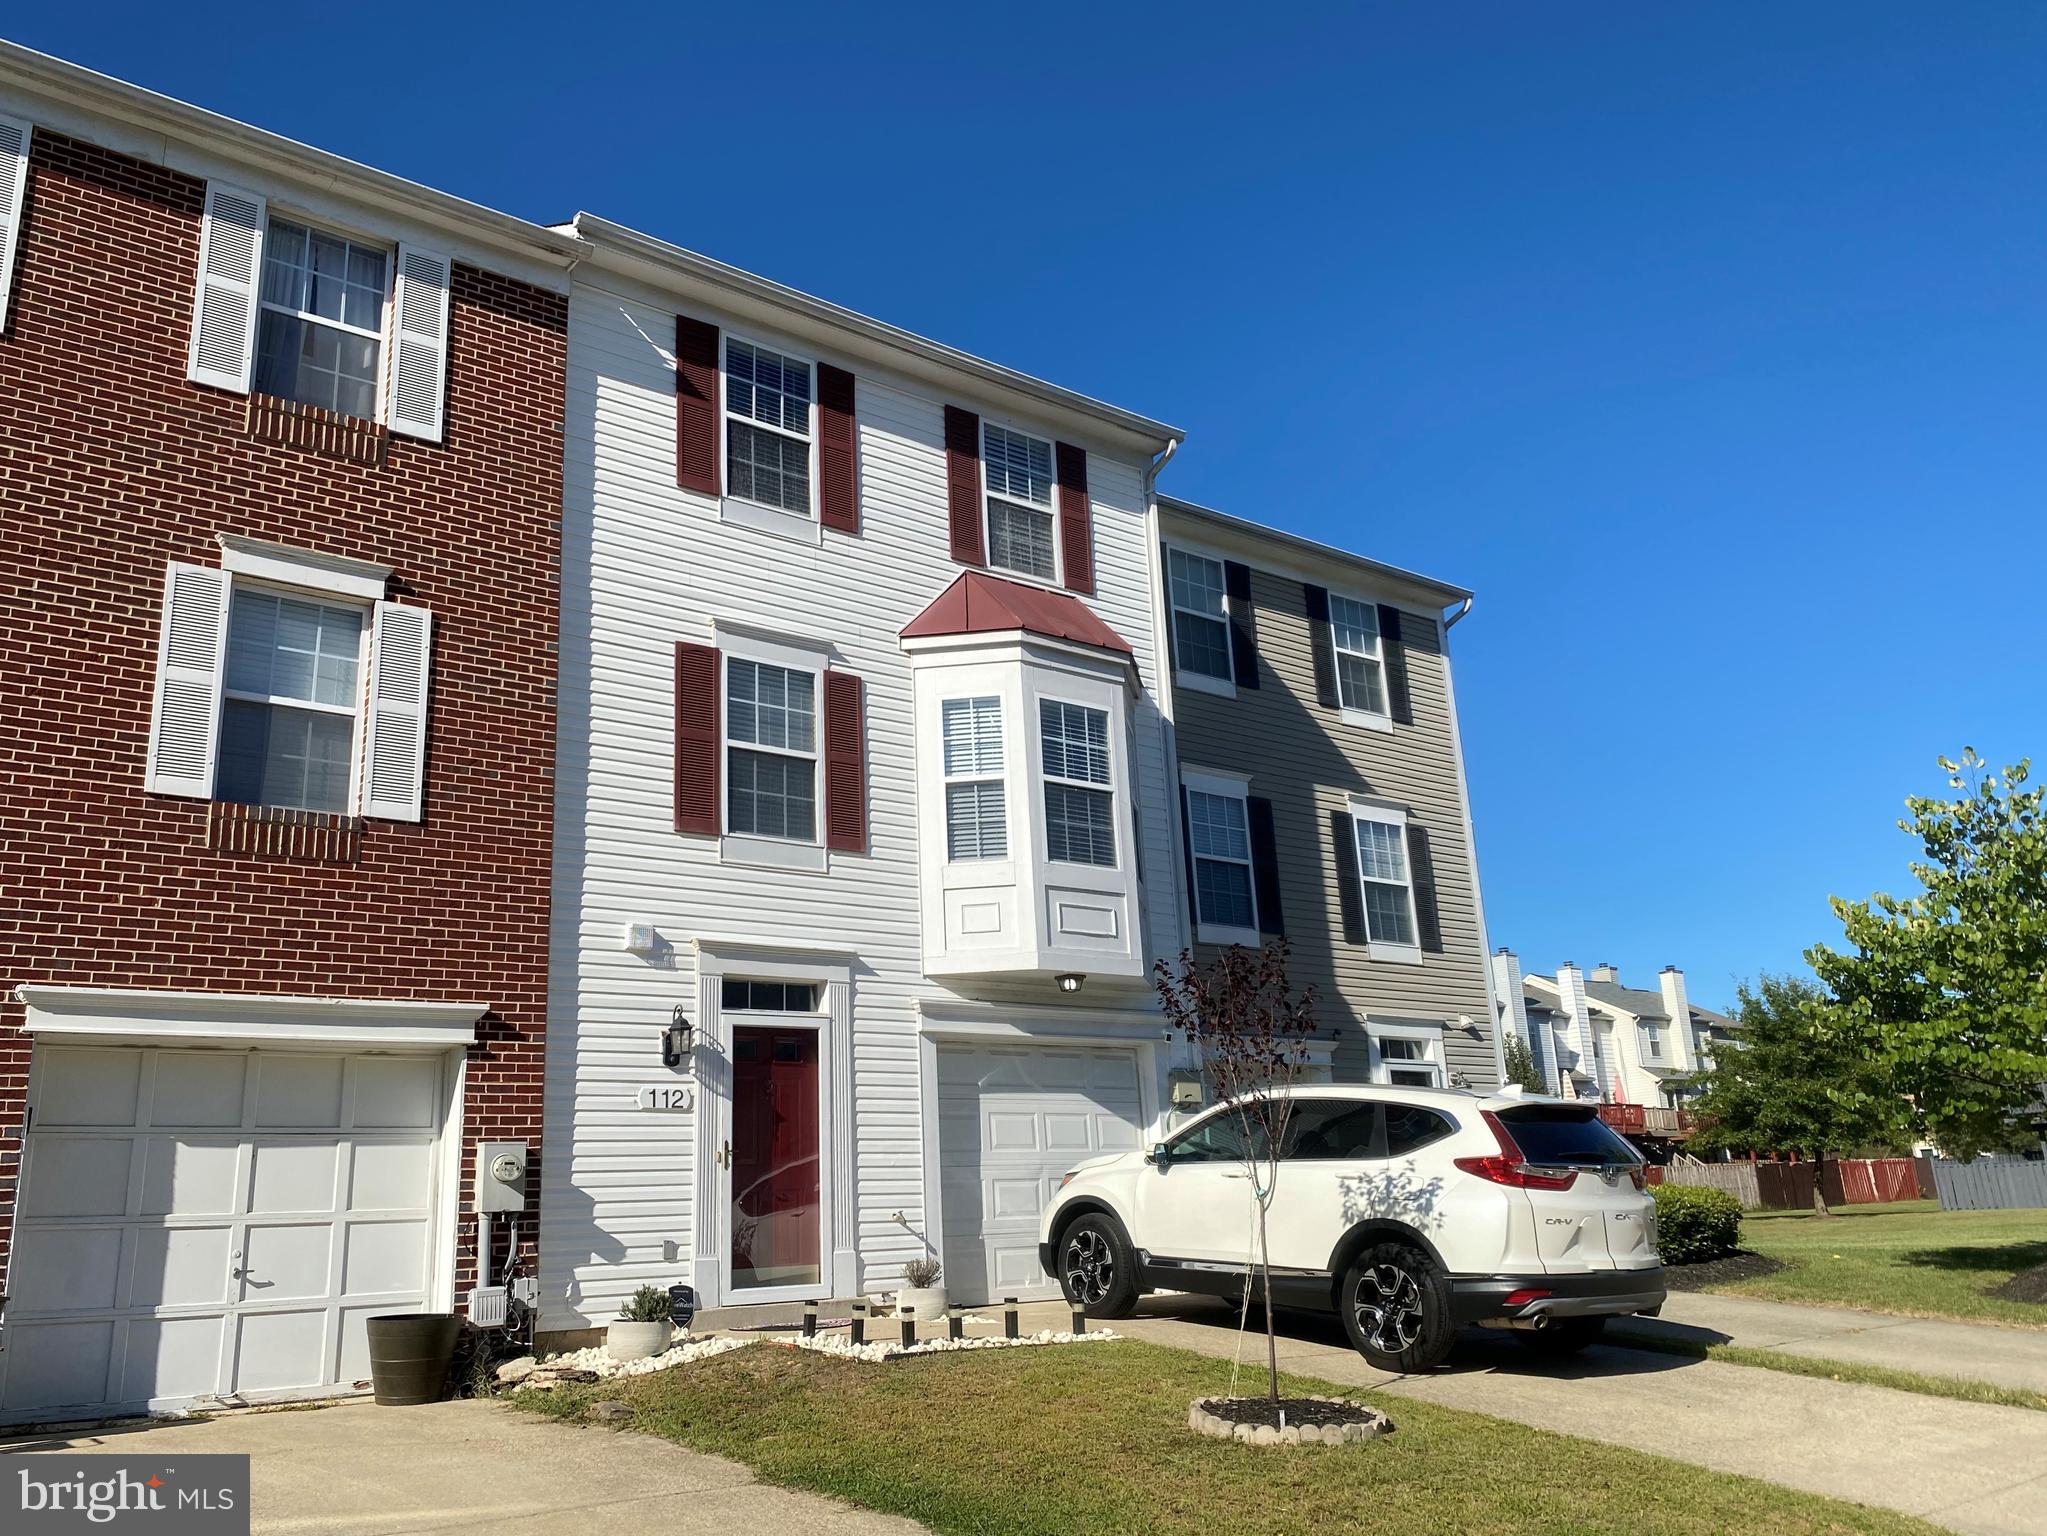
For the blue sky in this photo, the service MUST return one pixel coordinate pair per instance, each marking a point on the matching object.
(1706, 343)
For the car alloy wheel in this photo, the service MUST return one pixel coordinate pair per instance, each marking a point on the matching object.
(1388, 1303)
(1090, 1267)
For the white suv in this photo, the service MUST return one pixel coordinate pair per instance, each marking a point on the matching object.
(1408, 1212)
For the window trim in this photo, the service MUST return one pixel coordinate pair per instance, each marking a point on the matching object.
(1200, 682)
(1371, 720)
(1430, 1038)
(1224, 786)
(1392, 816)
(1000, 778)
(386, 337)
(1056, 582)
(357, 712)
(1108, 788)
(763, 847)
(1652, 1041)
(745, 511)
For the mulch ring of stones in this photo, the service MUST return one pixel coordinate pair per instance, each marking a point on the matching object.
(1289, 1421)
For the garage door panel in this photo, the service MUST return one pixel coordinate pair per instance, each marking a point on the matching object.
(181, 1266)
(171, 1357)
(78, 1272)
(390, 1176)
(186, 1176)
(298, 1092)
(87, 1087)
(1011, 1131)
(396, 1093)
(199, 1089)
(1069, 1132)
(79, 1176)
(293, 1176)
(278, 1350)
(383, 1257)
(52, 1365)
(288, 1262)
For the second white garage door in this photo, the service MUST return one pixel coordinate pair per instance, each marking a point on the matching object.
(1012, 1120)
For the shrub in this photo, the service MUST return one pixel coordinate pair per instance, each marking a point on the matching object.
(649, 1304)
(1694, 1224)
(921, 1273)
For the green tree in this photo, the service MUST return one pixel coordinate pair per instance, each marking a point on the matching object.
(1521, 1066)
(1949, 987)
(1796, 1081)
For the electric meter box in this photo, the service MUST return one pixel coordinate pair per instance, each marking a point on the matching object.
(500, 1176)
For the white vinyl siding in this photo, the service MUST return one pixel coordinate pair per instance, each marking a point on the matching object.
(771, 753)
(1019, 497)
(1201, 625)
(768, 427)
(15, 135)
(1219, 838)
(976, 821)
(1360, 664)
(1079, 803)
(223, 347)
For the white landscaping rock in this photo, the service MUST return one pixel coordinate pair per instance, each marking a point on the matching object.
(878, 1350)
(595, 1364)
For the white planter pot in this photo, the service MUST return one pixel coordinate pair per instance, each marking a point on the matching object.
(636, 1341)
(926, 1304)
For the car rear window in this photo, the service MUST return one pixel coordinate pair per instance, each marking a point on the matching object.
(1561, 1133)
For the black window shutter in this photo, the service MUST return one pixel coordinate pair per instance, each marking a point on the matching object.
(1265, 866)
(1422, 870)
(1321, 645)
(1398, 699)
(1243, 624)
(1187, 860)
(1350, 899)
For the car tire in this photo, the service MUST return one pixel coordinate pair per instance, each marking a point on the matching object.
(1097, 1267)
(1564, 1336)
(1395, 1304)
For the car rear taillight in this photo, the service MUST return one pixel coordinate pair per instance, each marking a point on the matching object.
(1511, 1167)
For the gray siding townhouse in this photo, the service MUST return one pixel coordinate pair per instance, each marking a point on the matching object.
(1322, 788)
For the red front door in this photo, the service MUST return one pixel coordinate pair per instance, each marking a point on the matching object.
(776, 1178)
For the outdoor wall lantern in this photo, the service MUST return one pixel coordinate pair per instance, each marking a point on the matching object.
(677, 1040)
(1069, 981)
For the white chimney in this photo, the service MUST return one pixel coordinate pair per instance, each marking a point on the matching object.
(1578, 1020)
(1514, 1011)
(1606, 970)
(1670, 981)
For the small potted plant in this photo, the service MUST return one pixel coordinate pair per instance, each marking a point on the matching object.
(642, 1328)
(922, 1298)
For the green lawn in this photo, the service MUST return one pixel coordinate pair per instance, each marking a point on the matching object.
(1913, 1258)
(1095, 1439)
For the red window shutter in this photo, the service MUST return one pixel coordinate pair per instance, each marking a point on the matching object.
(845, 764)
(696, 405)
(963, 484)
(838, 484)
(696, 738)
(1076, 520)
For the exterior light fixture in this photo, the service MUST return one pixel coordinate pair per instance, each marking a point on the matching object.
(1069, 982)
(677, 1040)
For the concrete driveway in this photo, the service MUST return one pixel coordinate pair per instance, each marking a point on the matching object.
(367, 1471)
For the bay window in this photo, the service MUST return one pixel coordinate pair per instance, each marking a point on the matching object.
(1079, 803)
(976, 820)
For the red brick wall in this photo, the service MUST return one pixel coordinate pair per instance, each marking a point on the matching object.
(111, 463)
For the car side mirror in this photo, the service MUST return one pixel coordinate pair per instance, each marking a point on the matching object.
(1159, 1155)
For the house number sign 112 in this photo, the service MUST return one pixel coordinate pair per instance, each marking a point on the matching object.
(668, 1097)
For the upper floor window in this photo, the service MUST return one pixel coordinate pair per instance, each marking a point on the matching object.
(1079, 807)
(1652, 1039)
(768, 428)
(771, 750)
(320, 329)
(1360, 664)
(1383, 871)
(1219, 839)
(289, 707)
(739, 993)
(1201, 625)
(1019, 478)
(976, 823)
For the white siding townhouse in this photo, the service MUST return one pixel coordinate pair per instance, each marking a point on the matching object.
(865, 842)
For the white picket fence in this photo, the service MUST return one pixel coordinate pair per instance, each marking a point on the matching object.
(1990, 1184)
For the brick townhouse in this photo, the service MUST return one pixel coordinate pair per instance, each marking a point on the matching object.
(280, 494)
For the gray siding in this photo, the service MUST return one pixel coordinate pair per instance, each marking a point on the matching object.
(1307, 761)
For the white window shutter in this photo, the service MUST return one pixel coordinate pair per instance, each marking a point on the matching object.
(401, 648)
(419, 349)
(14, 137)
(223, 351)
(184, 726)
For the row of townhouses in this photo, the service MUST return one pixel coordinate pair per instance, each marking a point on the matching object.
(540, 759)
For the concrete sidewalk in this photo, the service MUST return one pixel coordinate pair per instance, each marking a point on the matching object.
(355, 1469)
(1976, 1469)
(2010, 1357)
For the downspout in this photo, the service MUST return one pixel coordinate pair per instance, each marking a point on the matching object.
(1176, 1052)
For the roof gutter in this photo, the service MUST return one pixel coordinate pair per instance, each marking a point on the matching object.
(1448, 592)
(1462, 609)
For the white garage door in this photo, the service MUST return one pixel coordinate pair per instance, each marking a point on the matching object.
(1012, 1120)
(198, 1223)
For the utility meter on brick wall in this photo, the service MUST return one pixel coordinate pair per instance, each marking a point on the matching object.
(500, 1176)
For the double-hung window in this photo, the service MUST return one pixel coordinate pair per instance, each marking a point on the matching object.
(1079, 803)
(771, 750)
(976, 822)
(1201, 623)
(768, 426)
(320, 329)
(1019, 479)
(1652, 1039)
(1219, 841)
(292, 695)
(1387, 882)
(1360, 662)
(1408, 1061)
